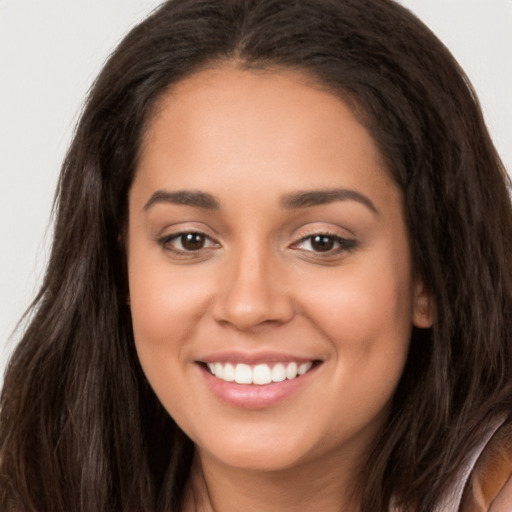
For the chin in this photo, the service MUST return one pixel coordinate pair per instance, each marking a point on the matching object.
(259, 452)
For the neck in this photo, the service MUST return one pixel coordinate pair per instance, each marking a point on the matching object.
(317, 485)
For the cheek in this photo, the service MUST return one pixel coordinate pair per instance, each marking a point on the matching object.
(365, 311)
(359, 306)
(162, 296)
(165, 304)
(367, 318)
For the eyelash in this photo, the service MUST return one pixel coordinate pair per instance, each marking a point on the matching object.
(343, 244)
(167, 243)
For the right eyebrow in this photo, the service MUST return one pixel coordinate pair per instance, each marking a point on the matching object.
(183, 197)
(311, 198)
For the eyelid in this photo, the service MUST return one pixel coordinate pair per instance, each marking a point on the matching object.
(323, 228)
(179, 228)
(165, 242)
(178, 235)
(344, 243)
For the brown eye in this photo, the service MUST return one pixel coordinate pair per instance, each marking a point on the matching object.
(322, 243)
(325, 244)
(187, 242)
(192, 241)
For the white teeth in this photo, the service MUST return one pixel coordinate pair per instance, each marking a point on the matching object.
(228, 373)
(278, 373)
(243, 374)
(260, 374)
(291, 371)
(304, 367)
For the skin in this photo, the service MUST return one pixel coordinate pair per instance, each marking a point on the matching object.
(259, 285)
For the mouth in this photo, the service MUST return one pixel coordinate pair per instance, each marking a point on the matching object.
(259, 374)
(257, 380)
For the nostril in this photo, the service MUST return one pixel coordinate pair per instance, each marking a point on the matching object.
(246, 308)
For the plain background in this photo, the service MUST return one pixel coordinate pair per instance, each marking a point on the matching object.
(51, 51)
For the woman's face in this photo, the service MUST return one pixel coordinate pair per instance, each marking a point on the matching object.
(267, 244)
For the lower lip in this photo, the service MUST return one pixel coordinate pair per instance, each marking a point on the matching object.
(253, 396)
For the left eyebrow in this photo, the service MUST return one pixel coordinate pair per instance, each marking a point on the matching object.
(318, 197)
(192, 198)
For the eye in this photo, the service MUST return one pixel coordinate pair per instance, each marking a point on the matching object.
(187, 242)
(324, 243)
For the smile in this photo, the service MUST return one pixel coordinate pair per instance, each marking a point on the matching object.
(259, 374)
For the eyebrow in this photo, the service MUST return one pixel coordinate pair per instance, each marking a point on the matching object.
(184, 197)
(296, 200)
(318, 197)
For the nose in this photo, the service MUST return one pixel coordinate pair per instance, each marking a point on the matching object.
(252, 293)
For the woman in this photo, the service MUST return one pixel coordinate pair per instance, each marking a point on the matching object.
(280, 277)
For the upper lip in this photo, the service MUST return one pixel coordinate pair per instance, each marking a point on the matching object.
(253, 358)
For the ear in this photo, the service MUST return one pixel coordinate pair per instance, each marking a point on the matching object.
(423, 306)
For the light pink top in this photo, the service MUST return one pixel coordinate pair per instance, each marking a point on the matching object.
(452, 502)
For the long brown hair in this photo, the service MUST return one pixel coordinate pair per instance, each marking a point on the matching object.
(80, 428)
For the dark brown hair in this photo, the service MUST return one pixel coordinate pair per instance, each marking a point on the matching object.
(80, 428)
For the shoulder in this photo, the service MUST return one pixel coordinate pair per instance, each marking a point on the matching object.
(489, 488)
(503, 501)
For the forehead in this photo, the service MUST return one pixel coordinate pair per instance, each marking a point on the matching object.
(231, 124)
